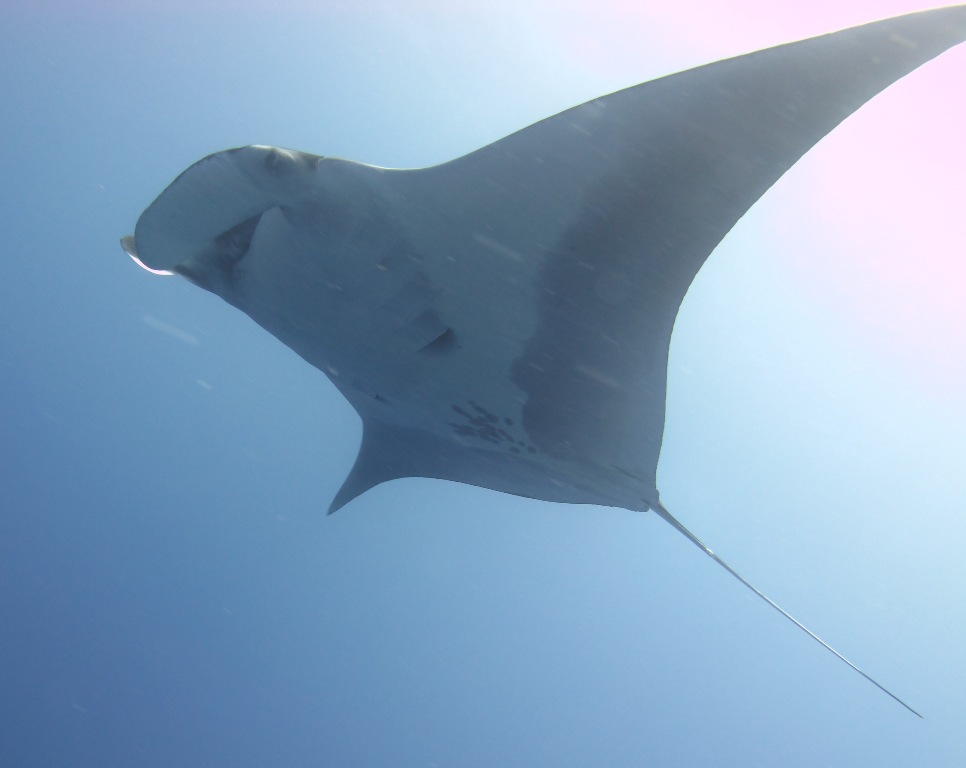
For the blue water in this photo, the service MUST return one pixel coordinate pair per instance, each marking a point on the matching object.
(171, 592)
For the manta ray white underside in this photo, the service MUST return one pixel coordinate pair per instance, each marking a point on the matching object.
(504, 319)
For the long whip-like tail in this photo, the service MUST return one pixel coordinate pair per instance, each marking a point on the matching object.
(659, 509)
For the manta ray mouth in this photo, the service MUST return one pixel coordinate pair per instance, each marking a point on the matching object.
(127, 243)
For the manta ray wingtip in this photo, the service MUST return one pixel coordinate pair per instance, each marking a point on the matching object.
(335, 506)
(350, 490)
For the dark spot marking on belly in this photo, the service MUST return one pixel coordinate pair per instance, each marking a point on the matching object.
(481, 423)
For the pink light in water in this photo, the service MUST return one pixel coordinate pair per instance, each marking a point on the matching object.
(888, 188)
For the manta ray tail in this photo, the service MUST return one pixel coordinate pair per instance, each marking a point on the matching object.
(669, 518)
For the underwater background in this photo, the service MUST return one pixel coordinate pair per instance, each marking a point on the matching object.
(171, 591)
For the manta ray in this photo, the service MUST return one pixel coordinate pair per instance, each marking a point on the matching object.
(504, 319)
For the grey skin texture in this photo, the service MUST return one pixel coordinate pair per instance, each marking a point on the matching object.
(503, 319)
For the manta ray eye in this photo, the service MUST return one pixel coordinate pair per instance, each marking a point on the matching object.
(234, 243)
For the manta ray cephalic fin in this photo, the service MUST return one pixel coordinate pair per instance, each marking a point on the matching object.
(662, 512)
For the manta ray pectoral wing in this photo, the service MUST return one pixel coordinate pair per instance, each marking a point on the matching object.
(612, 207)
